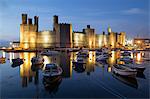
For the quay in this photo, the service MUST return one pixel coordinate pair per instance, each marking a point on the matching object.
(61, 49)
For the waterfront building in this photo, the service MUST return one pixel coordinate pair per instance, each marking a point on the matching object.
(63, 33)
(120, 40)
(116, 40)
(28, 32)
(79, 39)
(15, 44)
(62, 36)
(101, 40)
(90, 37)
(142, 43)
(46, 39)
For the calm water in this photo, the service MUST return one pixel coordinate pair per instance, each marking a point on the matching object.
(91, 80)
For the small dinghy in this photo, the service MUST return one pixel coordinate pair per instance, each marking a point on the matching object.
(79, 60)
(37, 60)
(51, 70)
(102, 57)
(124, 71)
(126, 59)
(49, 52)
(83, 53)
(17, 60)
(138, 67)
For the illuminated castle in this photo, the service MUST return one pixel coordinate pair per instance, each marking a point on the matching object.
(62, 36)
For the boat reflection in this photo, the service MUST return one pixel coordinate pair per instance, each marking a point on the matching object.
(79, 67)
(16, 64)
(37, 67)
(140, 75)
(130, 81)
(51, 84)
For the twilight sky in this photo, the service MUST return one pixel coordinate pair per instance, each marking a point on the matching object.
(131, 16)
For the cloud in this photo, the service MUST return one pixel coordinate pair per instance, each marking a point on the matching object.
(133, 11)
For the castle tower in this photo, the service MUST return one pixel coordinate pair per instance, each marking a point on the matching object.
(109, 30)
(28, 32)
(90, 36)
(55, 22)
(24, 18)
(36, 22)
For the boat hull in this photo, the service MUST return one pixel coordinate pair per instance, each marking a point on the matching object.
(124, 73)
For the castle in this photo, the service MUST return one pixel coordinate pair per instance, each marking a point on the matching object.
(63, 36)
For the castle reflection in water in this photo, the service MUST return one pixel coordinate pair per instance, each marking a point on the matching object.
(29, 74)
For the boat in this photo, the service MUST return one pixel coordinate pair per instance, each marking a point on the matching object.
(17, 60)
(83, 53)
(124, 71)
(51, 84)
(49, 52)
(102, 53)
(51, 70)
(79, 60)
(132, 82)
(16, 64)
(126, 59)
(138, 67)
(37, 60)
(102, 57)
(126, 53)
(79, 67)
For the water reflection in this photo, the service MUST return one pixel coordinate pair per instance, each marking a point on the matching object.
(127, 80)
(31, 74)
(52, 84)
(26, 73)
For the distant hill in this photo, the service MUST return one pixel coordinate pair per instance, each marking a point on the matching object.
(4, 43)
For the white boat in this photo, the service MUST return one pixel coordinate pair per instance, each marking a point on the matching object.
(80, 60)
(17, 60)
(138, 67)
(126, 53)
(52, 70)
(37, 60)
(49, 52)
(83, 53)
(101, 57)
(124, 71)
(126, 59)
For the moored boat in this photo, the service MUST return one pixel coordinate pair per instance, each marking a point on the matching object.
(52, 70)
(126, 59)
(17, 60)
(126, 53)
(49, 52)
(102, 57)
(83, 53)
(138, 67)
(37, 60)
(124, 71)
